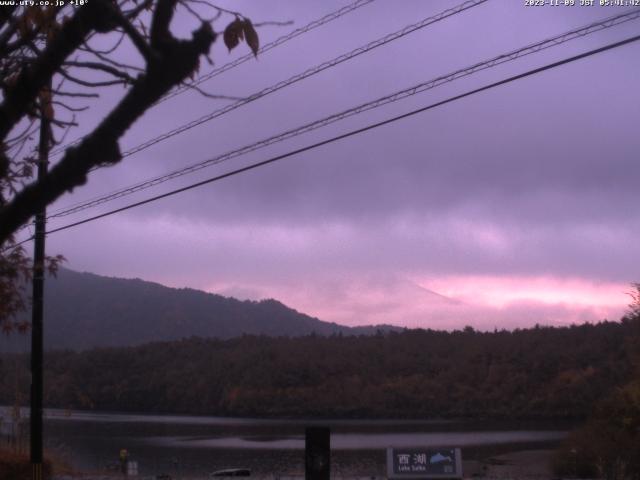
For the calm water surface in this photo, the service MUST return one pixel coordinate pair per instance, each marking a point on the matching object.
(188, 445)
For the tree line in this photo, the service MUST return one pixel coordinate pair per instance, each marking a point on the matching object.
(541, 372)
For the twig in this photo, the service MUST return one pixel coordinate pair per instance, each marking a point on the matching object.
(274, 24)
(211, 95)
(104, 68)
(69, 108)
(108, 51)
(106, 59)
(140, 43)
(134, 12)
(86, 83)
(76, 94)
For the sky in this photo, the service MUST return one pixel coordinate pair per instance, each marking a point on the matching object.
(513, 207)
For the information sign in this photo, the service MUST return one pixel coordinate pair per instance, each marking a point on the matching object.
(416, 462)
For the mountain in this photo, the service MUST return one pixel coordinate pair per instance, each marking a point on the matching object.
(84, 310)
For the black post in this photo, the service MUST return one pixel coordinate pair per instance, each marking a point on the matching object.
(317, 453)
(38, 308)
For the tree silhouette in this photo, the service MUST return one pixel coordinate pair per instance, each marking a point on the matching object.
(53, 60)
(634, 306)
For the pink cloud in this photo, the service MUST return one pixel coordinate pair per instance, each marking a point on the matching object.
(338, 273)
(500, 291)
(482, 302)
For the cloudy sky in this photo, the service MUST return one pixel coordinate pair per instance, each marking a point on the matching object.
(509, 208)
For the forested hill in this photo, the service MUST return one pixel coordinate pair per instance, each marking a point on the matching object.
(540, 372)
(84, 310)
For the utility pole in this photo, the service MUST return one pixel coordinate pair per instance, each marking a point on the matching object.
(35, 418)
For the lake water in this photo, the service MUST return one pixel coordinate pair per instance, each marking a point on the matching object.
(188, 445)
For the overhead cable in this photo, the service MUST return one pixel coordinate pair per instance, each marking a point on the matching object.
(307, 73)
(430, 84)
(239, 61)
(269, 46)
(352, 132)
(303, 75)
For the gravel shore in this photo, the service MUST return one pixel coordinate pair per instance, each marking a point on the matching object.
(522, 465)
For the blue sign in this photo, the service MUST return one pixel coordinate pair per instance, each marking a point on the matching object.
(415, 462)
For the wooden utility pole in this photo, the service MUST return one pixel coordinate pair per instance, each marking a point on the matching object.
(35, 418)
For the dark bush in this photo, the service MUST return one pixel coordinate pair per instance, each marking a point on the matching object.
(608, 446)
(16, 466)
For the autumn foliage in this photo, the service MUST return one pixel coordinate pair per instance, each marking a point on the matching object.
(538, 373)
(608, 445)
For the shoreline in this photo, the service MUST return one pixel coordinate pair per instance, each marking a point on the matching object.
(530, 464)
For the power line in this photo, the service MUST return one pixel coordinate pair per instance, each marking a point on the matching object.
(308, 73)
(304, 75)
(354, 132)
(245, 58)
(433, 83)
(269, 46)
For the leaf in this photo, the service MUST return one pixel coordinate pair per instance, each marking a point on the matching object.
(233, 34)
(251, 36)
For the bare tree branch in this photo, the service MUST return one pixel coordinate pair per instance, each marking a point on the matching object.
(134, 12)
(104, 58)
(96, 15)
(102, 67)
(210, 95)
(64, 123)
(37, 47)
(70, 108)
(89, 83)
(273, 24)
(63, 93)
(109, 50)
(160, 23)
(138, 40)
(177, 60)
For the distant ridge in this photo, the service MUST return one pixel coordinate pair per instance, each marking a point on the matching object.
(84, 310)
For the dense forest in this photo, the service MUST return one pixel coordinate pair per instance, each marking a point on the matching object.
(541, 372)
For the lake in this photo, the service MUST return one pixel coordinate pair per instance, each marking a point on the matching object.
(190, 445)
